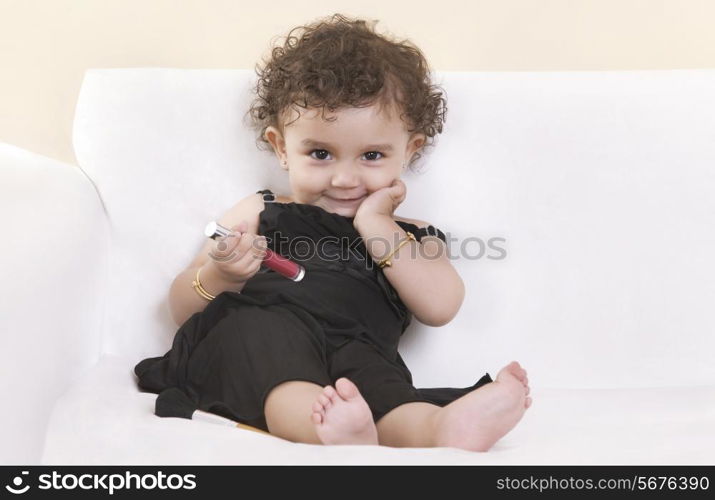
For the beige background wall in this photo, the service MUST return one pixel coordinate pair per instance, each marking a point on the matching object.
(45, 45)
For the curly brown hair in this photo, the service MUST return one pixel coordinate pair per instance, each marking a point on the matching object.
(341, 62)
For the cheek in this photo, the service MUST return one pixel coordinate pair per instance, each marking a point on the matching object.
(303, 179)
(385, 179)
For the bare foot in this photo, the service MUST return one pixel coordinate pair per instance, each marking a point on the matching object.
(341, 415)
(479, 419)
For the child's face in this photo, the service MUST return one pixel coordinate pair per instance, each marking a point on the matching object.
(353, 156)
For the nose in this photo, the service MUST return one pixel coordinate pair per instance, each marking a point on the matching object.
(344, 176)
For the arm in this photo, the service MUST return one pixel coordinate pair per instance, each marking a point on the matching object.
(183, 299)
(421, 272)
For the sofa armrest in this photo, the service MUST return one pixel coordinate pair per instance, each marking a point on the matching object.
(53, 259)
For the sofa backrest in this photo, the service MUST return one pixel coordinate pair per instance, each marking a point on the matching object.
(579, 203)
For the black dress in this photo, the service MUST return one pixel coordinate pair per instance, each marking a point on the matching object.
(343, 319)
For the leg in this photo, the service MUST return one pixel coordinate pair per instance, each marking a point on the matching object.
(288, 410)
(409, 425)
(477, 420)
(385, 384)
(473, 422)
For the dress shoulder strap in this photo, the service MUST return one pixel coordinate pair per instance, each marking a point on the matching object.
(432, 231)
(419, 232)
(268, 196)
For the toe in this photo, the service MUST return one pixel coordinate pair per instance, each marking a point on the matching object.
(346, 389)
(318, 407)
(324, 400)
(329, 392)
(317, 418)
(527, 402)
(515, 368)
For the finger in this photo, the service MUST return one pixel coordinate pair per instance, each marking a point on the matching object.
(235, 230)
(239, 229)
(225, 248)
(261, 244)
(394, 192)
(258, 248)
(254, 266)
(226, 244)
(397, 197)
(223, 259)
(248, 264)
(398, 189)
(244, 244)
(232, 239)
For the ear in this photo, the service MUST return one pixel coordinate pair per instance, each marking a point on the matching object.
(275, 138)
(416, 142)
(419, 140)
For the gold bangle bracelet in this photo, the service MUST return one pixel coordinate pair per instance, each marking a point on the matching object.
(196, 285)
(386, 261)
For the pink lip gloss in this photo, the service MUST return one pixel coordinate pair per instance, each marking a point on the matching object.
(278, 263)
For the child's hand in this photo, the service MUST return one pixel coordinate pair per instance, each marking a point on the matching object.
(384, 201)
(238, 256)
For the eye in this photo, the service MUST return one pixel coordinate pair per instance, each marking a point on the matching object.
(324, 151)
(320, 150)
(376, 152)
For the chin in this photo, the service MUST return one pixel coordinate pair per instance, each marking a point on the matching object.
(344, 212)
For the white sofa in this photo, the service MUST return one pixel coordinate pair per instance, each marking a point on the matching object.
(599, 183)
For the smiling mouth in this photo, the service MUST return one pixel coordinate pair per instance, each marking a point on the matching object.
(346, 200)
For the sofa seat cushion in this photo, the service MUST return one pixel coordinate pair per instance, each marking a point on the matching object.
(105, 419)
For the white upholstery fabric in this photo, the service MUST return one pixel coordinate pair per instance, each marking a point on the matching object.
(599, 183)
(114, 424)
(53, 258)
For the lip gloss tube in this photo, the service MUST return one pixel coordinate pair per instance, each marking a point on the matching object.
(272, 260)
